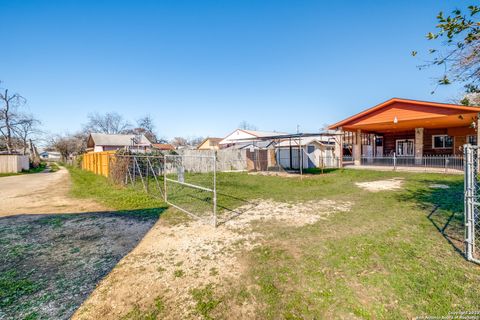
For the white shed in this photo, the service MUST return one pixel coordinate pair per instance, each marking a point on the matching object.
(317, 152)
(241, 138)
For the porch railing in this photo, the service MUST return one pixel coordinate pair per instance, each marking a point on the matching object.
(446, 162)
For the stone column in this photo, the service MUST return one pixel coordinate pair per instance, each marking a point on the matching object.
(418, 145)
(357, 148)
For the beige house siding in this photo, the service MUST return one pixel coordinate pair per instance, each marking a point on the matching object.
(209, 144)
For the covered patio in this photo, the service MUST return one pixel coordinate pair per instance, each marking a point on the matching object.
(402, 132)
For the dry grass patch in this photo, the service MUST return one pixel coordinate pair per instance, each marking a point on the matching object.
(381, 185)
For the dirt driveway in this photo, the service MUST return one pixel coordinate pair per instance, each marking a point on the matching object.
(55, 249)
(41, 193)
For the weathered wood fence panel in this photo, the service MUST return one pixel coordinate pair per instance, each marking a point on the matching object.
(12, 163)
(98, 162)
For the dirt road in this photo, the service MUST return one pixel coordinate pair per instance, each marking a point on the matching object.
(55, 249)
(41, 193)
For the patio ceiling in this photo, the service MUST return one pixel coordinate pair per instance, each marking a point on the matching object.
(401, 114)
(452, 121)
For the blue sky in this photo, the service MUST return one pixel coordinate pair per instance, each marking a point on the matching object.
(201, 67)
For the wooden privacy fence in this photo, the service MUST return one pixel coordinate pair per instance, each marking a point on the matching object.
(12, 163)
(98, 162)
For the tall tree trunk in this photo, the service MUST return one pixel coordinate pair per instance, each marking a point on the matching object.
(7, 123)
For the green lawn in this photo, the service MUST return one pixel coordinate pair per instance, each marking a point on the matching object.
(393, 256)
(88, 185)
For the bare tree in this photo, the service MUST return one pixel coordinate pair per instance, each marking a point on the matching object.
(246, 126)
(10, 118)
(110, 122)
(68, 144)
(146, 127)
(25, 129)
(195, 141)
(162, 140)
(146, 123)
(179, 142)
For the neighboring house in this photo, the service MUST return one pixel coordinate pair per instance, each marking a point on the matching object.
(316, 152)
(409, 128)
(163, 146)
(209, 144)
(50, 156)
(241, 138)
(98, 142)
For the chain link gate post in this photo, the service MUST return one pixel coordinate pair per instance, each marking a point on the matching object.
(471, 213)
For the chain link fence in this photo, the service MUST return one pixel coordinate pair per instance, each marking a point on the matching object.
(472, 203)
(190, 185)
(439, 162)
(185, 182)
(188, 180)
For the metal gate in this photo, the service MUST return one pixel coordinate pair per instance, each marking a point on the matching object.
(190, 185)
(472, 203)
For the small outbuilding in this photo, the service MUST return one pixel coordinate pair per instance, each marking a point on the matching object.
(241, 138)
(98, 142)
(318, 152)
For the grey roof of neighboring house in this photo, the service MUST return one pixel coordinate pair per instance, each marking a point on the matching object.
(103, 139)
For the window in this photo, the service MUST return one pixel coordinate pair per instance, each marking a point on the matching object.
(442, 142)
(472, 140)
(310, 149)
(405, 147)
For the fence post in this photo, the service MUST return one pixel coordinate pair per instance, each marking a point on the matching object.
(134, 171)
(468, 202)
(165, 176)
(394, 161)
(446, 164)
(127, 171)
(215, 189)
(146, 176)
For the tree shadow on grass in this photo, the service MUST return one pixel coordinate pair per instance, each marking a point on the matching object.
(50, 263)
(443, 200)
